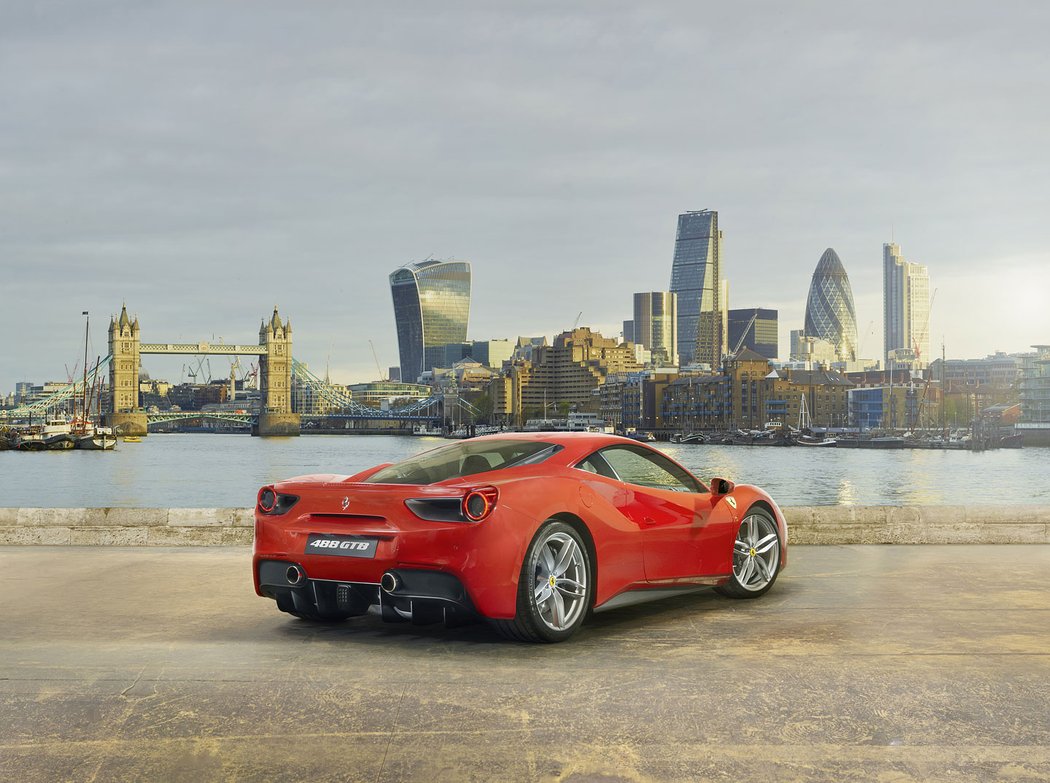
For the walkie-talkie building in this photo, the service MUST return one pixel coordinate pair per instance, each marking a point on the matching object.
(431, 309)
(830, 314)
(696, 276)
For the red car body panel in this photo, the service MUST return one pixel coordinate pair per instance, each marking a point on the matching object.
(643, 538)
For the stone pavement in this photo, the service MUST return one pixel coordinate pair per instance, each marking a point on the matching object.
(865, 663)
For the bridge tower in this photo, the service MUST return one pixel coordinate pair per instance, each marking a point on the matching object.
(125, 416)
(275, 379)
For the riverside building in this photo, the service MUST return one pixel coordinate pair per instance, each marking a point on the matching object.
(431, 310)
(906, 309)
(567, 373)
(1035, 397)
(696, 277)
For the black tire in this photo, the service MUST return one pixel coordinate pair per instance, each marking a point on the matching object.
(754, 579)
(536, 619)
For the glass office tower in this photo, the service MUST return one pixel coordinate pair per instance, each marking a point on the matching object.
(830, 314)
(696, 277)
(756, 328)
(655, 325)
(431, 309)
(906, 308)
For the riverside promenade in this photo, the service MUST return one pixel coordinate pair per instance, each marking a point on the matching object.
(889, 663)
(843, 524)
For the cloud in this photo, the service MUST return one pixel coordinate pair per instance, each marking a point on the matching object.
(204, 161)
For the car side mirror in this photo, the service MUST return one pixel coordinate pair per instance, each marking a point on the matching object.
(721, 486)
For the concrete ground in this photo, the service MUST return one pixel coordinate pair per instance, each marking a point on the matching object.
(866, 663)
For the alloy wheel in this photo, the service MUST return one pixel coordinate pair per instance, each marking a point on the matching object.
(560, 586)
(756, 552)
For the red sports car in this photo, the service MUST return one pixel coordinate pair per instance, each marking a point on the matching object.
(530, 531)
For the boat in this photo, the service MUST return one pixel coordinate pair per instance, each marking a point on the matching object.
(132, 438)
(30, 439)
(1012, 441)
(693, 438)
(586, 422)
(885, 442)
(94, 438)
(427, 430)
(813, 440)
(57, 435)
(644, 437)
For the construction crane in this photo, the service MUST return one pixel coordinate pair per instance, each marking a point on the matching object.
(743, 335)
(576, 323)
(918, 349)
(375, 358)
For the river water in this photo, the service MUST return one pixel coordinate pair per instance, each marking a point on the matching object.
(205, 470)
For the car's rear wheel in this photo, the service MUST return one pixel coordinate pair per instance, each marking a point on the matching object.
(756, 556)
(555, 589)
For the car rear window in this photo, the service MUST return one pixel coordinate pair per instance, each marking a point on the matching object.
(466, 458)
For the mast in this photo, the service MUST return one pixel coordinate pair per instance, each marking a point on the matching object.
(84, 410)
(944, 392)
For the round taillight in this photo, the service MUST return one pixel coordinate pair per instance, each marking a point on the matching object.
(267, 500)
(479, 503)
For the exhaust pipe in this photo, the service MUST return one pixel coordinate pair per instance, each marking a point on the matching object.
(389, 582)
(294, 575)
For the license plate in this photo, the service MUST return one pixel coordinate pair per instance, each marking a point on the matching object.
(341, 546)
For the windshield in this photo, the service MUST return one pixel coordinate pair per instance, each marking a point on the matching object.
(465, 458)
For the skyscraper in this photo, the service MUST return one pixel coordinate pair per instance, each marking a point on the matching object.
(431, 309)
(905, 308)
(696, 276)
(655, 325)
(830, 314)
(755, 328)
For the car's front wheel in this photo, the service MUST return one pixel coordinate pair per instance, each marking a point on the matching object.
(756, 556)
(555, 589)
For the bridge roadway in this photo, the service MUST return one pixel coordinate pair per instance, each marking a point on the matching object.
(888, 663)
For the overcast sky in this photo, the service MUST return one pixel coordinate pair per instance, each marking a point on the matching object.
(206, 161)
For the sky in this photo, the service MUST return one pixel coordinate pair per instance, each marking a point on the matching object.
(204, 162)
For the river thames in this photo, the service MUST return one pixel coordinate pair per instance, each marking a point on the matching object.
(205, 470)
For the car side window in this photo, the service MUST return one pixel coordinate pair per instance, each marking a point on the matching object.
(641, 466)
(597, 464)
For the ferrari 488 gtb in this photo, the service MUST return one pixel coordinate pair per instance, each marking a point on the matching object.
(530, 531)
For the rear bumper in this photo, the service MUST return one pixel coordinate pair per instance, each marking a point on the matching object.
(466, 565)
(406, 595)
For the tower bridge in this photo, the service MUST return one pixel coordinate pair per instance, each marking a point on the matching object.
(279, 374)
(275, 373)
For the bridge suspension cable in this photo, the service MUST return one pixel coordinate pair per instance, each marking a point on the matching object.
(57, 398)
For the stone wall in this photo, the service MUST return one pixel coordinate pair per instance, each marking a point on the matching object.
(126, 526)
(806, 525)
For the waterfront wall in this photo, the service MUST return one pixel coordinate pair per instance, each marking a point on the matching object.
(806, 525)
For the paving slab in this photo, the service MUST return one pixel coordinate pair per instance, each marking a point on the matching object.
(888, 663)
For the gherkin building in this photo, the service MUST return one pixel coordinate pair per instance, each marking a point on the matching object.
(830, 314)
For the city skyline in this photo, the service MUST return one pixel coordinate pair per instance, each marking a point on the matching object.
(236, 167)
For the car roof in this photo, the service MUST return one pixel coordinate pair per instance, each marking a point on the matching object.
(580, 439)
(576, 445)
